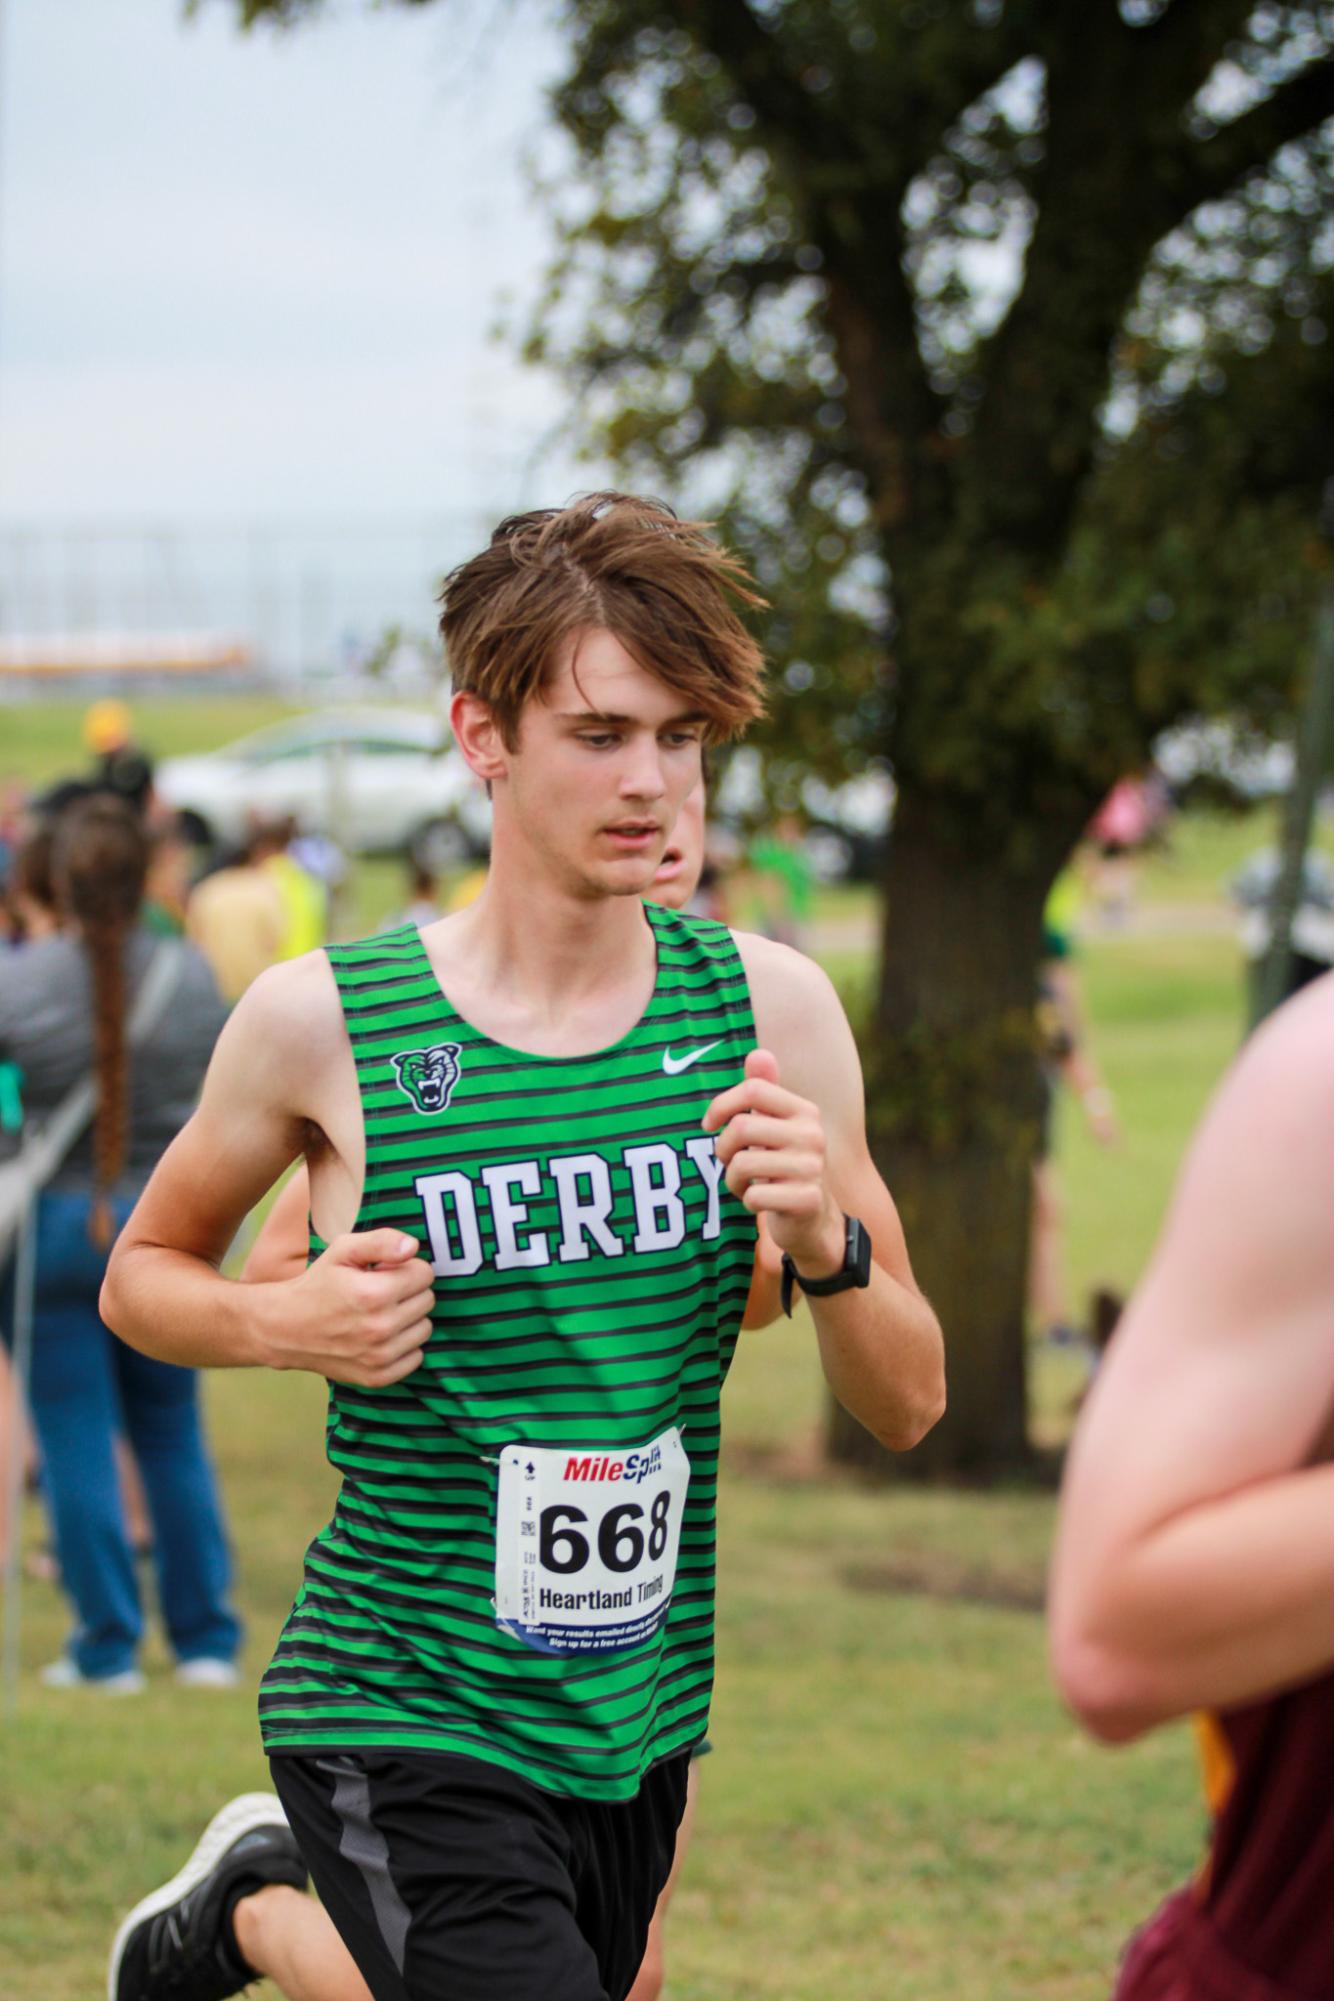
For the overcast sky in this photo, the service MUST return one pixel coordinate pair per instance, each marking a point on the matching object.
(254, 275)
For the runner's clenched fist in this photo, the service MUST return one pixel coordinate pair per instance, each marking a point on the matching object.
(361, 1313)
(772, 1146)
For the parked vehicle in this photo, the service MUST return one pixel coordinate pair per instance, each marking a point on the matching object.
(1219, 759)
(847, 825)
(374, 780)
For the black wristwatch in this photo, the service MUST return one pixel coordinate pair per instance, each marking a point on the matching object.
(855, 1269)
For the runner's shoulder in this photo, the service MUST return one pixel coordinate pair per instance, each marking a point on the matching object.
(798, 1016)
(290, 1014)
(783, 980)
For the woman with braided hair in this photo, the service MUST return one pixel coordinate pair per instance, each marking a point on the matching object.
(65, 1010)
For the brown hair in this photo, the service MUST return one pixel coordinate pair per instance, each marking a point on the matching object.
(30, 883)
(99, 862)
(662, 586)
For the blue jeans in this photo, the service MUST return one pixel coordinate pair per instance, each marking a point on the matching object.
(87, 1386)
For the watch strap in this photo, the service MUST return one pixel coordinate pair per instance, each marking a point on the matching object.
(855, 1270)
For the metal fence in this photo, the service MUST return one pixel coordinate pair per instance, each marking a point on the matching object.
(302, 602)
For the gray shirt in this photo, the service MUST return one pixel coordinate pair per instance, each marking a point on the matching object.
(46, 1027)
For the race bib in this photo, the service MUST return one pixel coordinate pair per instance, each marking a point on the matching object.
(586, 1543)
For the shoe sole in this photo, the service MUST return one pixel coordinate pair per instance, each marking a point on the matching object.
(238, 1817)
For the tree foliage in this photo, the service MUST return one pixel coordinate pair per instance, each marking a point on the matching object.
(929, 299)
(962, 317)
(997, 334)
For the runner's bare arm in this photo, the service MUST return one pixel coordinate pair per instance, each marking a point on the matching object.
(279, 1251)
(763, 1302)
(793, 1137)
(1194, 1566)
(360, 1314)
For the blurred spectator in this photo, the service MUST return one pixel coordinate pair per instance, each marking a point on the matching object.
(31, 901)
(31, 911)
(423, 906)
(167, 887)
(64, 1006)
(1254, 888)
(1134, 810)
(710, 896)
(119, 765)
(467, 888)
(34, 915)
(304, 897)
(237, 916)
(1066, 1060)
(782, 881)
(46, 807)
(14, 1437)
(107, 727)
(321, 857)
(13, 826)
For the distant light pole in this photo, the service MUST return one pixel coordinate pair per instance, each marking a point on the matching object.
(1315, 739)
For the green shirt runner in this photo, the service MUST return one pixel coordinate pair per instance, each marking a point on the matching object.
(520, 1564)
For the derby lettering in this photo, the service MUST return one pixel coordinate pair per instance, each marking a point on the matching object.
(470, 1224)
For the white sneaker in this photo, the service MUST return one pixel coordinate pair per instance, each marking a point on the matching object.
(206, 1672)
(64, 1673)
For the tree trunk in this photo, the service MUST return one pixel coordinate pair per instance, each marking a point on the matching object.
(953, 1104)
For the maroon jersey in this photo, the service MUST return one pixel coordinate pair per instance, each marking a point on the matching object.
(1258, 1922)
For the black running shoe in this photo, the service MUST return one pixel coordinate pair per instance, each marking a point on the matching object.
(178, 1943)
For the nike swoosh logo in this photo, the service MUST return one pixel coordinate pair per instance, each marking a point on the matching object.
(673, 1065)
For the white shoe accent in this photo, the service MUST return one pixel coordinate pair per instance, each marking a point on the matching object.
(207, 1672)
(65, 1674)
(673, 1065)
(247, 1811)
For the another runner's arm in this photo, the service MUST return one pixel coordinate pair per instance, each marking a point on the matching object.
(794, 1141)
(1194, 1566)
(361, 1312)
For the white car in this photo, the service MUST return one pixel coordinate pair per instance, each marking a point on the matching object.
(374, 780)
(1246, 763)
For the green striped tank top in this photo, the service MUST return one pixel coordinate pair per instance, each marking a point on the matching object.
(520, 1564)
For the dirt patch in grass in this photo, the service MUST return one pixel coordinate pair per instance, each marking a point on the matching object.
(936, 1574)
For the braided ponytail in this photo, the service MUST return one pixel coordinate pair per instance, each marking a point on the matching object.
(99, 862)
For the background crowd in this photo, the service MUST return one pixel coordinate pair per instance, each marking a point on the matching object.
(99, 880)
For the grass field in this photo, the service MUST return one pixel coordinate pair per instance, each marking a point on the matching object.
(896, 1805)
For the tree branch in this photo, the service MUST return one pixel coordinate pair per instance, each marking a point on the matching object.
(1210, 167)
(753, 58)
(283, 13)
(852, 196)
(1120, 149)
(1182, 47)
(951, 70)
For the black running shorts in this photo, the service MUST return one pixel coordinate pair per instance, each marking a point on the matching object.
(453, 1880)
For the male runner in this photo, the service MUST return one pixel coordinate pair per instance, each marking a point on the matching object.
(480, 1711)
(281, 1250)
(1195, 1564)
